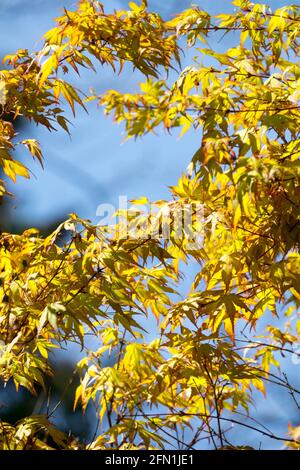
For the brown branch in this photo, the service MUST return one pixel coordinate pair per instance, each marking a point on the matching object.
(57, 270)
(206, 420)
(255, 233)
(257, 344)
(291, 391)
(213, 384)
(83, 287)
(230, 420)
(219, 110)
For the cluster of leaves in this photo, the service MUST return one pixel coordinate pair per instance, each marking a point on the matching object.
(245, 176)
(34, 84)
(33, 433)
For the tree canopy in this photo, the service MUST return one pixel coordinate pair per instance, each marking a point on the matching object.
(215, 346)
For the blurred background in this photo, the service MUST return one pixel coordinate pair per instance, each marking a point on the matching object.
(95, 167)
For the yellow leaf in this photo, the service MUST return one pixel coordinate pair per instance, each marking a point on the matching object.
(12, 168)
(49, 66)
(237, 216)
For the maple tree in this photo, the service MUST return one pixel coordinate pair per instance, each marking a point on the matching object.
(245, 177)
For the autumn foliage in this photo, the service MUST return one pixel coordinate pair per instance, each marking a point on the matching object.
(245, 176)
